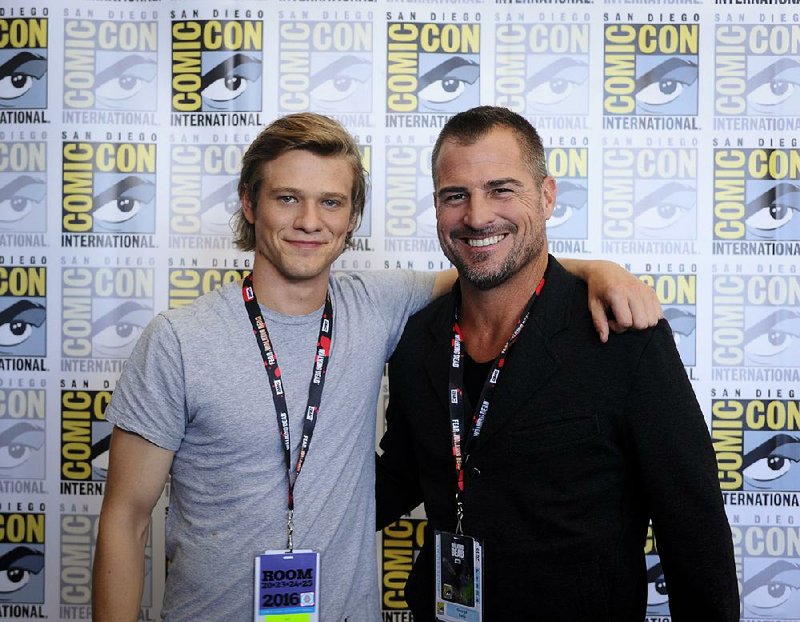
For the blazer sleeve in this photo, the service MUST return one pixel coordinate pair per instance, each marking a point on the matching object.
(397, 487)
(679, 472)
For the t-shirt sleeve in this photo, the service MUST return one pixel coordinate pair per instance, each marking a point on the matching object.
(397, 295)
(149, 397)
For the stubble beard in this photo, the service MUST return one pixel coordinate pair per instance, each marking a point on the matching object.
(486, 278)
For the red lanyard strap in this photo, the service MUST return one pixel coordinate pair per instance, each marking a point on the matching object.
(456, 387)
(321, 358)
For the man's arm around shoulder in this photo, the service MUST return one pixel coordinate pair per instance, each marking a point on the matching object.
(137, 473)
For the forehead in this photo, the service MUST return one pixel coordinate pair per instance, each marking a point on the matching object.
(303, 169)
(493, 153)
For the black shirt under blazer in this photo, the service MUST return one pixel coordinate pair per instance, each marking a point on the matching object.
(584, 442)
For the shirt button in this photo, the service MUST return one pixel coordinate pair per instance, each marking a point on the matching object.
(474, 472)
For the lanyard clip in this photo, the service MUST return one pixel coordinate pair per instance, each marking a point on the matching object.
(459, 516)
(290, 532)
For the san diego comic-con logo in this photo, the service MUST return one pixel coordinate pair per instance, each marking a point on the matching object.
(649, 195)
(217, 67)
(203, 192)
(570, 218)
(85, 439)
(23, 311)
(756, 74)
(410, 216)
(326, 63)
(23, 190)
(756, 326)
(767, 557)
(650, 70)
(756, 199)
(78, 541)
(22, 433)
(542, 70)
(108, 188)
(111, 66)
(401, 542)
(757, 443)
(22, 557)
(186, 284)
(104, 310)
(657, 592)
(677, 293)
(433, 69)
(23, 68)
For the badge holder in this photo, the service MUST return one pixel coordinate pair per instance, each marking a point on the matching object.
(287, 587)
(459, 577)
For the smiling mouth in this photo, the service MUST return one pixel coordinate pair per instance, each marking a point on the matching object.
(478, 243)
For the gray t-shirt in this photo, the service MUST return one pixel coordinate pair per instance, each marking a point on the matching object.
(195, 384)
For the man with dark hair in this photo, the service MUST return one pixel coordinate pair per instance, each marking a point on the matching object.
(225, 394)
(527, 440)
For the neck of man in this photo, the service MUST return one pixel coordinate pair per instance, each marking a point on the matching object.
(488, 317)
(284, 295)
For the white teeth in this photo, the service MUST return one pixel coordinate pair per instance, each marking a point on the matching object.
(484, 241)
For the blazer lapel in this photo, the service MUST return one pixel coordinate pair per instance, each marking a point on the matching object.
(531, 361)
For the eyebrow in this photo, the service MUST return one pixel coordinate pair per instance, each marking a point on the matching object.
(489, 185)
(327, 194)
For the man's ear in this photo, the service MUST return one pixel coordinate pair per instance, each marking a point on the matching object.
(548, 196)
(247, 208)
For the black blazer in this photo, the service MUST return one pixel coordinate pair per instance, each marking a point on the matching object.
(583, 444)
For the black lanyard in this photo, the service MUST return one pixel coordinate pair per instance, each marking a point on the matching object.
(276, 385)
(482, 407)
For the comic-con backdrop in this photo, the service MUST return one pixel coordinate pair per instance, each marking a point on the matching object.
(672, 127)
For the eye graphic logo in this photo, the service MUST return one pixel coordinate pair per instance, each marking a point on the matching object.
(409, 192)
(772, 460)
(757, 194)
(432, 68)
(542, 68)
(117, 326)
(23, 291)
(216, 66)
(772, 337)
(650, 194)
(325, 66)
(773, 214)
(657, 595)
(22, 558)
(23, 63)
(757, 70)
(108, 187)
(105, 310)
(570, 167)
(22, 202)
(21, 453)
(110, 65)
(651, 69)
(770, 571)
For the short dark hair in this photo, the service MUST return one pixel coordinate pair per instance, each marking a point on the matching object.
(471, 125)
(308, 131)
